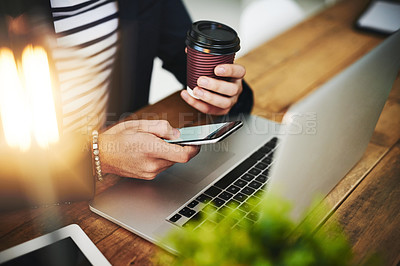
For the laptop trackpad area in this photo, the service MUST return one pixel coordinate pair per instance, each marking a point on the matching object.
(209, 159)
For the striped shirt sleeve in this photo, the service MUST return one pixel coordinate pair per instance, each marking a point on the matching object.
(87, 42)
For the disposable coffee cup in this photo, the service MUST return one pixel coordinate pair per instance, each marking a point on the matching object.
(209, 44)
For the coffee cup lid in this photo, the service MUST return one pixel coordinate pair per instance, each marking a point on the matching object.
(213, 38)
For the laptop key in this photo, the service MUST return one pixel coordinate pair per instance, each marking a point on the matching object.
(244, 222)
(225, 195)
(267, 160)
(208, 225)
(193, 204)
(254, 171)
(229, 178)
(261, 166)
(272, 143)
(218, 202)
(233, 189)
(257, 155)
(209, 208)
(175, 218)
(225, 210)
(212, 191)
(253, 200)
(271, 156)
(261, 178)
(216, 217)
(203, 198)
(240, 183)
(233, 204)
(265, 149)
(255, 184)
(197, 219)
(247, 190)
(259, 193)
(238, 214)
(247, 177)
(187, 212)
(266, 172)
(240, 197)
(246, 207)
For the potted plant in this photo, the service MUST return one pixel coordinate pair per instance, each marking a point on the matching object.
(275, 239)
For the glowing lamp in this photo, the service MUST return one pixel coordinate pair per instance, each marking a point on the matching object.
(38, 165)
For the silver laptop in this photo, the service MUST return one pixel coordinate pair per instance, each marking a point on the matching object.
(321, 138)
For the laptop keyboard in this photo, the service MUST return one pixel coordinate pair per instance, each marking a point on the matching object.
(240, 191)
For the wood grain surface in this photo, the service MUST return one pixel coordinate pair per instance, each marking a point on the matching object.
(281, 72)
(370, 215)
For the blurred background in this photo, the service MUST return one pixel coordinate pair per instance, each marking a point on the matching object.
(256, 21)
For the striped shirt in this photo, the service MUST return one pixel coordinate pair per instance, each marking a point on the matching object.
(87, 38)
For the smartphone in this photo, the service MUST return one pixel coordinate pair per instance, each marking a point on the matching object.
(206, 134)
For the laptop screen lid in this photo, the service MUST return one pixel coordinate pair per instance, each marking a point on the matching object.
(326, 133)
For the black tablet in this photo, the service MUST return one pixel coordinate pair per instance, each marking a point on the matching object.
(68, 246)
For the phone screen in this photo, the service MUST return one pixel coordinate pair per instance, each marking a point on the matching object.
(205, 132)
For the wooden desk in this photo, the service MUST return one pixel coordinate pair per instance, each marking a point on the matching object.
(283, 70)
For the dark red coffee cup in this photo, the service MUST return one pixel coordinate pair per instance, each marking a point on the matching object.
(209, 44)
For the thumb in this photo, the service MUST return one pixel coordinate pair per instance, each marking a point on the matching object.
(160, 128)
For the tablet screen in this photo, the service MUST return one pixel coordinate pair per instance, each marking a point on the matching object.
(381, 16)
(63, 253)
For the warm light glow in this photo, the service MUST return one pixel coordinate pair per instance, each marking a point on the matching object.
(29, 108)
(35, 66)
(13, 103)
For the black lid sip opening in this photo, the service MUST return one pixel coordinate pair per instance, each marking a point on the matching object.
(213, 38)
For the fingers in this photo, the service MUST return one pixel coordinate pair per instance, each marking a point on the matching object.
(153, 167)
(160, 128)
(220, 86)
(214, 99)
(202, 106)
(151, 147)
(230, 70)
(140, 154)
(174, 153)
(217, 96)
(230, 88)
(148, 170)
(165, 158)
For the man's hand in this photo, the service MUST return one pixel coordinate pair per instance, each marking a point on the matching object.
(135, 149)
(216, 96)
